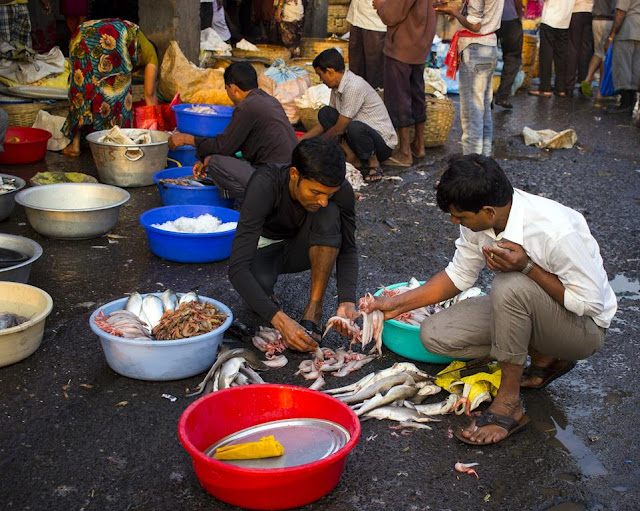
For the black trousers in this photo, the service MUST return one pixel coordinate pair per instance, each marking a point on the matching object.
(365, 55)
(580, 48)
(229, 174)
(404, 92)
(510, 37)
(361, 138)
(322, 228)
(553, 49)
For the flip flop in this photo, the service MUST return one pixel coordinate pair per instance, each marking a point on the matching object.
(539, 93)
(392, 162)
(370, 174)
(312, 328)
(547, 374)
(489, 418)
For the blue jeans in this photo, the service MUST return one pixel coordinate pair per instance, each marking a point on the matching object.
(477, 64)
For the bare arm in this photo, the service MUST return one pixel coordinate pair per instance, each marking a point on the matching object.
(439, 287)
(313, 132)
(339, 127)
(615, 28)
(450, 11)
(150, 84)
(519, 8)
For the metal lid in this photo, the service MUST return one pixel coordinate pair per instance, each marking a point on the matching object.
(304, 441)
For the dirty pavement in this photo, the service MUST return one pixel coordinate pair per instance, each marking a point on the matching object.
(76, 435)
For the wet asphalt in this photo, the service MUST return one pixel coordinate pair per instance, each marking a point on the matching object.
(65, 444)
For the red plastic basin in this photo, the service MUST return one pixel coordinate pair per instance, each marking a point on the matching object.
(31, 147)
(221, 413)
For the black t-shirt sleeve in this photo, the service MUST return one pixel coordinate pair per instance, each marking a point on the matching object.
(347, 261)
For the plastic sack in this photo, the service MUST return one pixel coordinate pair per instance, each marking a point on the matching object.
(156, 117)
(178, 75)
(285, 84)
(52, 124)
(606, 83)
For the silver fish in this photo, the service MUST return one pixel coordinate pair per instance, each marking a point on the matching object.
(251, 375)
(191, 296)
(169, 300)
(441, 408)
(134, 304)
(319, 383)
(395, 413)
(8, 320)
(381, 386)
(398, 393)
(153, 309)
(229, 372)
(240, 379)
(223, 357)
(429, 389)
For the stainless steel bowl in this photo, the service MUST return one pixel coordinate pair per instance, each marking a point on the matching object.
(72, 211)
(8, 199)
(19, 272)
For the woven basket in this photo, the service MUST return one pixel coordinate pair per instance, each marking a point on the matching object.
(311, 47)
(309, 117)
(337, 19)
(440, 114)
(307, 65)
(22, 115)
(339, 2)
(529, 49)
(265, 51)
(61, 109)
(456, 4)
(528, 76)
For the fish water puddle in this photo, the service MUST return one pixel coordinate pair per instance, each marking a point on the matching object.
(625, 287)
(587, 461)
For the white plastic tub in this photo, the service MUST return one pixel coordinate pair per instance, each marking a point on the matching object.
(160, 360)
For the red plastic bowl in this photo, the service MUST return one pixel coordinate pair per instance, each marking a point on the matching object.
(31, 148)
(221, 413)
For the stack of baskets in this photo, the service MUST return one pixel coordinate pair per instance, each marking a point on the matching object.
(440, 114)
(337, 19)
(270, 52)
(529, 59)
(22, 115)
(310, 47)
(309, 117)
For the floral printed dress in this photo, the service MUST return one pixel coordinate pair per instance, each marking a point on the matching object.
(103, 54)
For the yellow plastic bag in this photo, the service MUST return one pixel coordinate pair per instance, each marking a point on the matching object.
(267, 447)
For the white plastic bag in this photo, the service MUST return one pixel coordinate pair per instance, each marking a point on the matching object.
(53, 124)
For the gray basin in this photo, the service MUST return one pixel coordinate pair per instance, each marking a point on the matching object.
(8, 199)
(19, 272)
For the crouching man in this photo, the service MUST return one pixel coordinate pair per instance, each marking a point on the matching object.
(550, 298)
(295, 218)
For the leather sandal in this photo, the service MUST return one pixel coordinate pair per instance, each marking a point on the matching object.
(490, 418)
(547, 374)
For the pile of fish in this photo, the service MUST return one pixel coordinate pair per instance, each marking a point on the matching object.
(396, 393)
(142, 316)
(182, 181)
(8, 320)
(232, 368)
(202, 109)
(417, 316)
(338, 363)
(269, 341)
(7, 184)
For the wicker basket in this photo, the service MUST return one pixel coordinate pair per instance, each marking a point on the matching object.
(529, 49)
(61, 109)
(270, 52)
(137, 92)
(440, 114)
(339, 2)
(337, 19)
(456, 4)
(307, 65)
(309, 117)
(23, 115)
(311, 47)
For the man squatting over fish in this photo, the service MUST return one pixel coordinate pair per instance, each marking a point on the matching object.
(550, 298)
(295, 218)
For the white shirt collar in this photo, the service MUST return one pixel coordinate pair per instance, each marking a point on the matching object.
(514, 230)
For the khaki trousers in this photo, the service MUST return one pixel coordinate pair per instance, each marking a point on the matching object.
(517, 315)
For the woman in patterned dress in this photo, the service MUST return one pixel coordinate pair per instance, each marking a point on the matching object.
(103, 54)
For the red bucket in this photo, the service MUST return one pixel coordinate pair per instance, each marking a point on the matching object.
(29, 145)
(227, 411)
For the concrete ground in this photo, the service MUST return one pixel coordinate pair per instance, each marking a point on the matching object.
(66, 444)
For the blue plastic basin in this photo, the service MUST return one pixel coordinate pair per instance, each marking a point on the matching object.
(404, 339)
(202, 125)
(188, 247)
(185, 155)
(173, 195)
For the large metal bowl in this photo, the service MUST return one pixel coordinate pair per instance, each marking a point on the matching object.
(129, 165)
(73, 211)
(8, 199)
(19, 272)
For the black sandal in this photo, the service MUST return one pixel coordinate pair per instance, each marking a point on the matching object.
(546, 374)
(370, 174)
(489, 418)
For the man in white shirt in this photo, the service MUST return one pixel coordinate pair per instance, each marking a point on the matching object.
(550, 299)
(366, 42)
(554, 45)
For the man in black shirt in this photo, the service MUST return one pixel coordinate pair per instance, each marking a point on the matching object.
(259, 128)
(296, 218)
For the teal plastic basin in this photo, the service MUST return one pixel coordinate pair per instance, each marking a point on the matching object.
(404, 339)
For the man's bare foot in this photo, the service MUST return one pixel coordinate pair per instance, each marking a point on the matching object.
(70, 151)
(418, 150)
(542, 372)
(493, 433)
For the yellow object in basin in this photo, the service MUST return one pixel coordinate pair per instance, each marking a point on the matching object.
(267, 447)
(478, 387)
